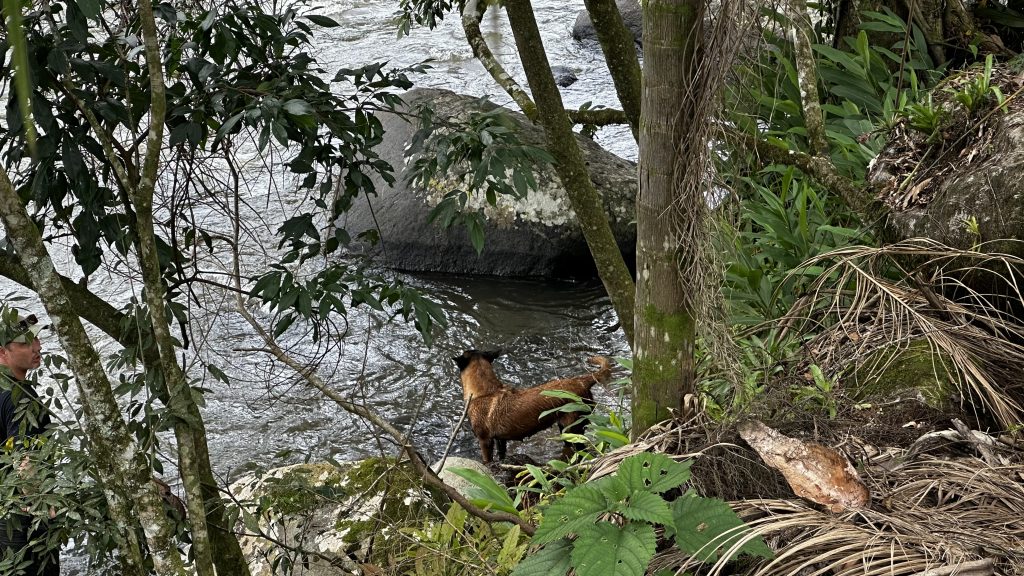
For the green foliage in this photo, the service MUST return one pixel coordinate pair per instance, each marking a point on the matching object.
(488, 494)
(608, 526)
(785, 221)
(236, 72)
(460, 545)
(481, 156)
(858, 88)
(708, 529)
(926, 116)
(819, 395)
(975, 93)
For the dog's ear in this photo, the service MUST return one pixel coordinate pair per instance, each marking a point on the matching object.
(492, 355)
(461, 361)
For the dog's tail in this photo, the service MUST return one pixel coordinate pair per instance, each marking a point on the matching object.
(604, 372)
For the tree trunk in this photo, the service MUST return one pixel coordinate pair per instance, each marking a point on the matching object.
(663, 360)
(178, 389)
(620, 54)
(569, 164)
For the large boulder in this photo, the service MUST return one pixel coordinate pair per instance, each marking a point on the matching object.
(632, 16)
(343, 516)
(962, 185)
(537, 236)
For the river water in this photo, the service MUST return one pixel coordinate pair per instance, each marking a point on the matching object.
(265, 417)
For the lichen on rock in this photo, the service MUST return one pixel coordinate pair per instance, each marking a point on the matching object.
(338, 516)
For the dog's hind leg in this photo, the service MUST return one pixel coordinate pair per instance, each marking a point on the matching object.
(501, 448)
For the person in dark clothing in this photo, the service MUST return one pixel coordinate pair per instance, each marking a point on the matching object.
(22, 416)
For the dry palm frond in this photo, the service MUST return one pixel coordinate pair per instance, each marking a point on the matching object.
(929, 516)
(878, 301)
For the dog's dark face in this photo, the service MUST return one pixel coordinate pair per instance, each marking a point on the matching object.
(469, 355)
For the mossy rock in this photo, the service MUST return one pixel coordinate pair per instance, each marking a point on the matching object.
(339, 513)
(892, 371)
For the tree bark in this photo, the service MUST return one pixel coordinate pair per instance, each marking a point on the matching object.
(620, 54)
(179, 391)
(674, 287)
(569, 164)
(472, 13)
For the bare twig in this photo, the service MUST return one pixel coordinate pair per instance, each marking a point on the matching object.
(455, 432)
(983, 567)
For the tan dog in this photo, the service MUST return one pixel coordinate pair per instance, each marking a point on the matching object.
(499, 413)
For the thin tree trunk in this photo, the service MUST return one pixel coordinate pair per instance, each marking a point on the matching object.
(620, 54)
(807, 76)
(569, 164)
(179, 392)
(663, 361)
(122, 467)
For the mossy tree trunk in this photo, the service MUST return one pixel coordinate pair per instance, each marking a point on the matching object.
(620, 53)
(569, 164)
(663, 354)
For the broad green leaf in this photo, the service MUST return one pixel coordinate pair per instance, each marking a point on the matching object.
(490, 494)
(614, 438)
(578, 509)
(646, 507)
(605, 549)
(91, 8)
(323, 21)
(707, 528)
(653, 472)
(551, 560)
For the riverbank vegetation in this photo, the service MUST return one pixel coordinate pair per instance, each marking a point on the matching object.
(769, 286)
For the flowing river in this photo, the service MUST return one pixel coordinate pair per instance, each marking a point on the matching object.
(267, 418)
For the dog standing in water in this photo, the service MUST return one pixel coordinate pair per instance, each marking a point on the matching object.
(499, 413)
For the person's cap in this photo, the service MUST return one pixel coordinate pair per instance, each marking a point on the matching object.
(22, 329)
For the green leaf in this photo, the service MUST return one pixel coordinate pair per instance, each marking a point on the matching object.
(653, 472)
(91, 8)
(707, 527)
(490, 494)
(551, 560)
(323, 21)
(579, 508)
(646, 507)
(604, 549)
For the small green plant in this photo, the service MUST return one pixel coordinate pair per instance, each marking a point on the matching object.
(925, 117)
(459, 545)
(820, 393)
(975, 93)
(973, 229)
(608, 526)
